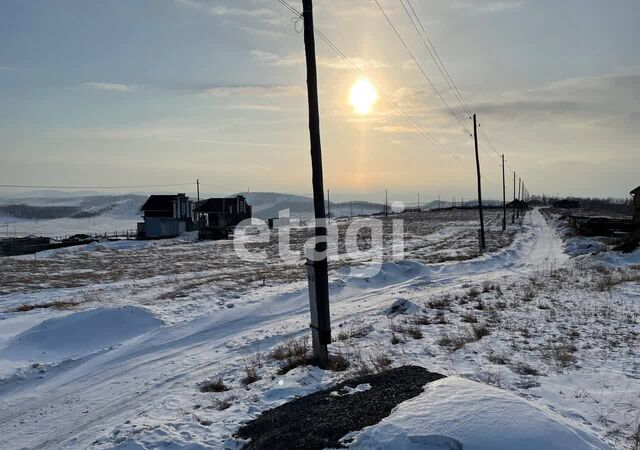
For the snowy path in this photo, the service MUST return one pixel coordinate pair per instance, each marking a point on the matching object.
(71, 406)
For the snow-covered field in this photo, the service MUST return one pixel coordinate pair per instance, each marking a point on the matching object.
(112, 213)
(107, 345)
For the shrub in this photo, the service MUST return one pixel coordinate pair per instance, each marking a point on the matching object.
(414, 331)
(381, 362)
(441, 303)
(216, 385)
(338, 363)
(469, 318)
(498, 359)
(480, 331)
(251, 374)
(525, 369)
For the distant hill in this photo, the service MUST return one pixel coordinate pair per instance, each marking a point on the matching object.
(28, 207)
(267, 205)
(85, 204)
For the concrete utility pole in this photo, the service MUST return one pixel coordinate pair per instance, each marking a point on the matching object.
(317, 270)
(475, 140)
(504, 199)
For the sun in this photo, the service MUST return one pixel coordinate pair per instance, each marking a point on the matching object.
(362, 96)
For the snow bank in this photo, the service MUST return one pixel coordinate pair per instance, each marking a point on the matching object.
(619, 259)
(456, 414)
(78, 334)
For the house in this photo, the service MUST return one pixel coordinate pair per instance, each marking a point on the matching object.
(215, 216)
(166, 216)
(636, 206)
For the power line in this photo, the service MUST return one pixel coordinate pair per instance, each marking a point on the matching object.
(90, 187)
(412, 121)
(382, 94)
(397, 33)
(437, 59)
(404, 44)
(433, 53)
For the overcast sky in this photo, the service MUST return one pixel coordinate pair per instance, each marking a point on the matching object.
(137, 92)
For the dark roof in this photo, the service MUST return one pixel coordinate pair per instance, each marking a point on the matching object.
(635, 191)
(215, 205)
(159, 203)
(212, 205)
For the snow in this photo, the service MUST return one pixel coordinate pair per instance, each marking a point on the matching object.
(455, 414)
(155, 320)
(78, 334)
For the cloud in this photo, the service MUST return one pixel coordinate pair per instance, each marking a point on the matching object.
(221, 10)
(256, 91)
(336, 63)
(116, 87)
(272, 59)
(256, 108)
(259, 20)
(488, 7)
(590, 102)
(397, 129)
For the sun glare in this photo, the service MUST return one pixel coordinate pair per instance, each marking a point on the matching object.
(362, 96)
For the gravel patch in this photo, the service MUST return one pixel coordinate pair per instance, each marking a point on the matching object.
(321, 419)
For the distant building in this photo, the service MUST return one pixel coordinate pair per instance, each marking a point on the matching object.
(166, 216)
(566, 204)
(636, 205)
(215, 216)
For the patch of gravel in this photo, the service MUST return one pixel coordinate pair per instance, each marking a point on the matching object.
(319, 420)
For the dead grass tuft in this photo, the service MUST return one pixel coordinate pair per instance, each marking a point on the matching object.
(217, 385)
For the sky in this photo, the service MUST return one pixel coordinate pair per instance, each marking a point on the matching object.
(154, 92)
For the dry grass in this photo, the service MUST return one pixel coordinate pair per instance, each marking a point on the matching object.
(292, 354)
(60, 304)
(216, 385)
(251, 370)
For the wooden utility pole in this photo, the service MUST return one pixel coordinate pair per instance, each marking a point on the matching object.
(513, 218)
(475, 140)
(504, 199)
(328, 204)
(519, 192)
(317, 269)
(198, 189)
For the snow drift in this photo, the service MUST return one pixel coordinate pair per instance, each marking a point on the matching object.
(459, 414)
(78, 334)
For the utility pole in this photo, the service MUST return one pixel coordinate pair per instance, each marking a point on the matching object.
(386, 201)
(519, 192)
(418, 201)
(513, 218)
(475, 140)
(328, 204)
(351, 208)
(198, 189)
(438, 201)
(504, 199)
(317, 270)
